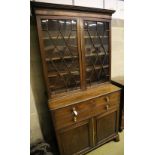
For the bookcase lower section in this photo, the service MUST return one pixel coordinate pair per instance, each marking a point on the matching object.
(98, 124)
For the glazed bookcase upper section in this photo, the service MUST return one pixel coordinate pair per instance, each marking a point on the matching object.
(75, 45)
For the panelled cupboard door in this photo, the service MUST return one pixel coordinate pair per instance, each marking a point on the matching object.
(105, 126)
(96, 46)
(58, 38)
(75, 139)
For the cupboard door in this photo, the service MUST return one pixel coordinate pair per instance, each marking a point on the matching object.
(97, 48)
(75, 139)
(60, 53)
(106, 126)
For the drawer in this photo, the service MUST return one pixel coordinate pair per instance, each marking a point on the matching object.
(75, 113)
(71, 114)
(105, 103)
(113, 98)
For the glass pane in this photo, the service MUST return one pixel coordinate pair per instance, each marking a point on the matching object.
(62, 59)
(96, 38)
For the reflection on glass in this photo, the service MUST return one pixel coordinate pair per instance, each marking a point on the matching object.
(60, 45)
(96, 38)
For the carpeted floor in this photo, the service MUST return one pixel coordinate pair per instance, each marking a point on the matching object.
(111, 148)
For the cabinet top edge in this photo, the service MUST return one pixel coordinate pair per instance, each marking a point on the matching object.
(81, 96)
(35, 5)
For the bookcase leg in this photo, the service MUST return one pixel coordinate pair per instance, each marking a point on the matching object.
(117, 139)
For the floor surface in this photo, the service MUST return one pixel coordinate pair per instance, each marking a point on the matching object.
(111, 148)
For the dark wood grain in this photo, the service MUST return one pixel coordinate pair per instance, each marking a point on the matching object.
(81, 96)
(71, 142)
(84, 117)
(86, 109)
(42, 54)
(61, 75)
(82, 53)
(119, 81)
(105, 126)
(70, 13)
(70, 7)
(110, 47)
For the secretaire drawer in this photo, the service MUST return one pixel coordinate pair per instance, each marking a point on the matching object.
(112, 99)
(105, 103)
(77, 112)
(71, 114)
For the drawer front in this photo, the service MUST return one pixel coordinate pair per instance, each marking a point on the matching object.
(106, 103)
(75, 113)
(72, 114)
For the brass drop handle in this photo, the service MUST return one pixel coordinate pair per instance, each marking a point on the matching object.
(107, 99)
(75, 112)
(75, 118)
(107, 107)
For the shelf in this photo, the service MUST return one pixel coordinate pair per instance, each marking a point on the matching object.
(62, 73)
(73, 37)
(94, 82)
(86, 37)
(96, 45)
(62, 92)
(88, 69)
(51, 47)
(95, 54)
(88, 80)
(59, 58)
(52, 86)
(58, 87)
(66, 37)
(74, 57)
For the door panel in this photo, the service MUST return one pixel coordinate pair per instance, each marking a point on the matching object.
(97, 49)
(75, 139)
(60, 53)
(105, 126)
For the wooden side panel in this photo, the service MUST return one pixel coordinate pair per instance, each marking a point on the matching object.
(38, 21)
(75, 139)
(119, 81)
(106, 126)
